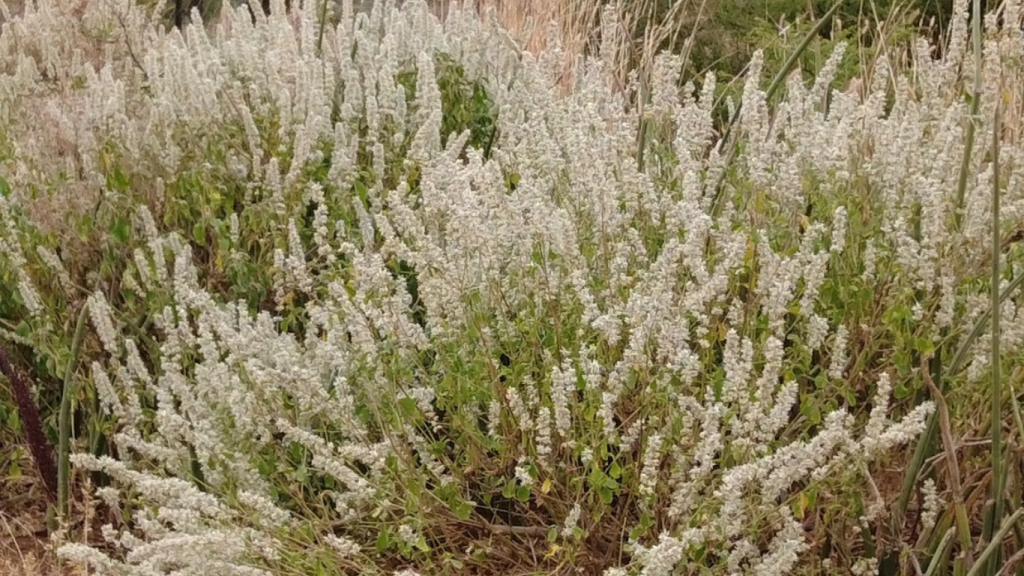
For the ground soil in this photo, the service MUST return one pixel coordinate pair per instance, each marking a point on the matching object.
(25, 547)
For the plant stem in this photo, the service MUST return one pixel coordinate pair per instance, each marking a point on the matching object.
(940, 553)
(996, 542)
(963, 524)
(64, 420)
(972, 126)
(998, 478)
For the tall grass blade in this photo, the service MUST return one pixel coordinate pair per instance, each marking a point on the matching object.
(998, 475)
(924, 450)
(995, 543)
(979, 327)
(941, 553)
(926, 443)
(64, 419)
(972, 126)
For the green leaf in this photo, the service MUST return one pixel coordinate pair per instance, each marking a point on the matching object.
(463, 510)
(552, 534)
(85, 227)
(199, 233)
(118, 181)
(14, 421)
(523, 494)
(409, 408)
(924, 345)
(599, 479)
(615, 471)
(422, 544)
(120, 229)
(901, 391)
(509, 490)
(810, 410)
(267, 465)
(606, 495)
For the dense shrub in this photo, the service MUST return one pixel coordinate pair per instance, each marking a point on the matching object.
(382, 297)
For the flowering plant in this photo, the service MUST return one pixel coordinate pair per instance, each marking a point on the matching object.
(382, 296)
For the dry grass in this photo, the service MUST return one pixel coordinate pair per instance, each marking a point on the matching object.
(32, 555)
(577, 27)
(25, 545)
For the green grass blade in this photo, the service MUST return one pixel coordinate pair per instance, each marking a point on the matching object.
(996, 542)
(64, 419)
(939, 558)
